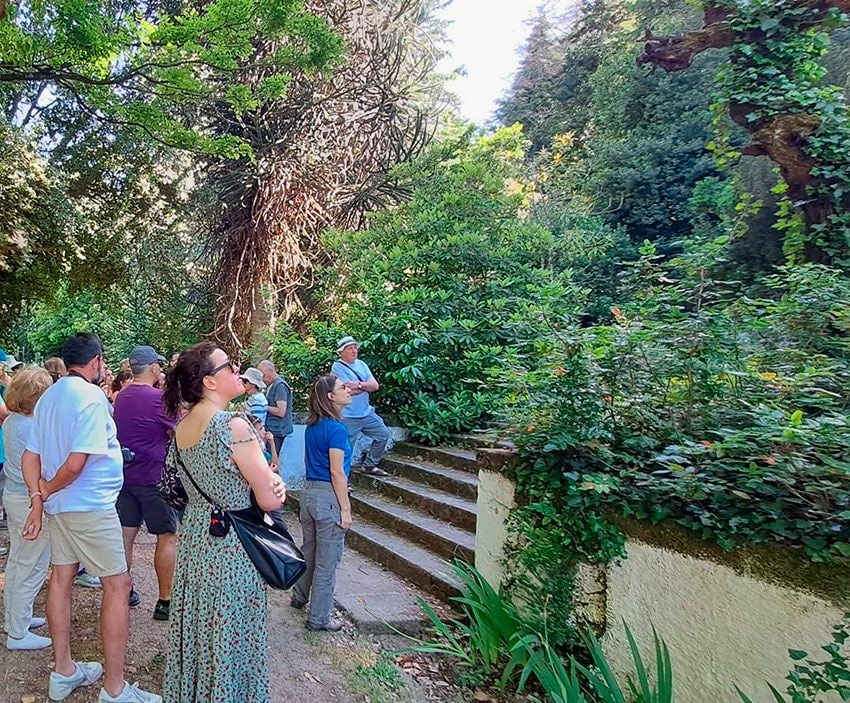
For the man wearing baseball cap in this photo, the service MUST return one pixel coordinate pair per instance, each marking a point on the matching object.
(359, 416)
(144, 429)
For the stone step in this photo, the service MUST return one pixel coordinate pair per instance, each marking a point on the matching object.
(445, 540)
(455, 457)
(412, 562)
(461, 483)
(482, 440)
(376, 599)
(460, 512)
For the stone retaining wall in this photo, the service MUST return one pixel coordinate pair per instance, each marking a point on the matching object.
(728, 618)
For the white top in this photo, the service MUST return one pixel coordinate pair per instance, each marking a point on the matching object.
(73, 416)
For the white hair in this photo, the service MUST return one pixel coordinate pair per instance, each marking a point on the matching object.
(268, 364)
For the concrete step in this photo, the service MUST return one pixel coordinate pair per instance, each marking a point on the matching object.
(461, 483)
(445, 540)
(458, 511)
(455, 457)
(412, 562)
(377, 600)
(482, 440)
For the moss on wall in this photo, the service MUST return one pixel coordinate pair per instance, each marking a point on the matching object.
(777, 564)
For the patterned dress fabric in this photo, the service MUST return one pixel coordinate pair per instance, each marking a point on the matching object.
(217, 648)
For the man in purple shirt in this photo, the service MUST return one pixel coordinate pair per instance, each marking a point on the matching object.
(144, 429)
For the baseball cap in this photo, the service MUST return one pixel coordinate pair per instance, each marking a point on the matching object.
(254, 376)
(346, 341)
(144, 355)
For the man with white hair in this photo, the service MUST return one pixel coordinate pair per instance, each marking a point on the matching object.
(278, 419)
(359, 416)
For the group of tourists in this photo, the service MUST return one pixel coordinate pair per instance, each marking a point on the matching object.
(84, 461)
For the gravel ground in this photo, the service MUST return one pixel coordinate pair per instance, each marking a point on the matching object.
(304, 667)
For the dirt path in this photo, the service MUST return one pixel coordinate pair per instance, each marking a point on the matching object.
(305, 667)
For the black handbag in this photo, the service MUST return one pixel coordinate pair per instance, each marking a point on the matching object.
(266, 540)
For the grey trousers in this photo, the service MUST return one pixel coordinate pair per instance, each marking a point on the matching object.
(323, 543)
(26, 569)
(373, 427)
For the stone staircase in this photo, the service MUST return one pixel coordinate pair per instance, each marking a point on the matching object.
(413, 524)
(420, 517)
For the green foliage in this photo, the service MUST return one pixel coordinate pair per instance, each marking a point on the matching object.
(123, 317)
(482, 637)
(43, 238)
(809, 679)
(639, 136)
(301, 359)
(133, 65)
(777, 70)
(380, 682)
(445, 287)
(574, 682)
(728, 416)
(493, 638)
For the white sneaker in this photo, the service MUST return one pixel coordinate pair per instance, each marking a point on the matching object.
(35, 623)
(87, 580)
(130, 694)
(28, 641)
(61, 687)
(3, 551)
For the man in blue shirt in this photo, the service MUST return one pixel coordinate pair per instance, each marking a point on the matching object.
(360, 416)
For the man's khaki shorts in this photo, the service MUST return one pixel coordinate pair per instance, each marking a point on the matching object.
(94, 540)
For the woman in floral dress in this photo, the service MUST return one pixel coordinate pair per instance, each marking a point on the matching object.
(217, 649)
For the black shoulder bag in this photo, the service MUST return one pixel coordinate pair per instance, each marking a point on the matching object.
(266, 541)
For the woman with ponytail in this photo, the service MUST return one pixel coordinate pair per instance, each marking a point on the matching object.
(325, 507)
(217, 641)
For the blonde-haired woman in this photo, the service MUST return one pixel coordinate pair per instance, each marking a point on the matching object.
(26, 569)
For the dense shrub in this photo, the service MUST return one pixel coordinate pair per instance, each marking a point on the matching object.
(446, 287)
(302, 358)
(727, 415)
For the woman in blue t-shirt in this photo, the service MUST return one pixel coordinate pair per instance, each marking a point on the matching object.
(325, 508)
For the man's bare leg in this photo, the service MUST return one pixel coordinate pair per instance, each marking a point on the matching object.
(114, 629)
(59, 616)
(163, 563)
(129, 535)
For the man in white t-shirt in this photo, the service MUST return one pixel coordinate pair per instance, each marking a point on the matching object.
(74, 471)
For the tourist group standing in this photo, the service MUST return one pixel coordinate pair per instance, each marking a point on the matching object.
(85, 456)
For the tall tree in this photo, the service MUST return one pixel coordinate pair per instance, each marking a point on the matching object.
(774, 91)
(322, 157)
(127, 63)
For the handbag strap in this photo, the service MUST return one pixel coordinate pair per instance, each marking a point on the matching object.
(186, 471)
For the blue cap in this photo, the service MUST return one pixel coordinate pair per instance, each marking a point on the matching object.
(3, 355)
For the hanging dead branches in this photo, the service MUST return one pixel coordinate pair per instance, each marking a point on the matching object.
(323, 153)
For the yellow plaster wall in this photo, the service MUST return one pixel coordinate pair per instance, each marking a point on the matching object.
(722, 627)
(495, 502)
